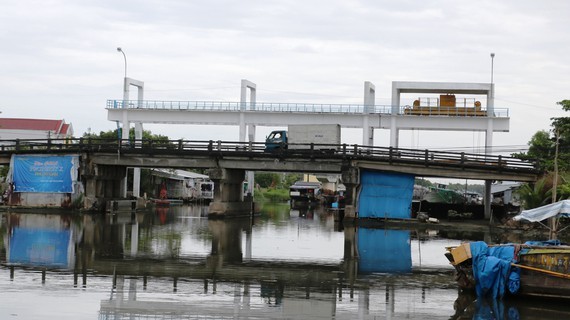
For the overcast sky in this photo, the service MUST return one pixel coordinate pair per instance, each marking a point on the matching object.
(58, 58)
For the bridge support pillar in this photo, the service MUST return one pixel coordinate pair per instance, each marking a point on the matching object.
(351, 180)
(101, 183)
(228, 194)
(487, 200)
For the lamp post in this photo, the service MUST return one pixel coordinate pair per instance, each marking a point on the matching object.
(125, 86)
(124, 56)
(492, 60)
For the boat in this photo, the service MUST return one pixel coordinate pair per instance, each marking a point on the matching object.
(534, 268)
(538, 269)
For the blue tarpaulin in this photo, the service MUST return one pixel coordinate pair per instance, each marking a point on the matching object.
(492, 269)
(43, 173)
(385, 195)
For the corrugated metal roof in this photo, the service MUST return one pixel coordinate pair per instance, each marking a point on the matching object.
(179, 174)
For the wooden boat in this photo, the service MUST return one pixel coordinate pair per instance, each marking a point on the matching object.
(543, 268)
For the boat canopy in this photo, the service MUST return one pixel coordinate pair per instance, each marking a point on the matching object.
(557, 209)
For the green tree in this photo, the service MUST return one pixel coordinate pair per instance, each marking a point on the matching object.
(541, 149)
(535, 195)
(267, 179)
(543, 143)
(113, 135)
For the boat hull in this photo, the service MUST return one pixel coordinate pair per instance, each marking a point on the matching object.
(539, 283)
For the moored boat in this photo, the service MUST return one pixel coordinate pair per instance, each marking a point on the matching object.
(530, 269)
(535, 268)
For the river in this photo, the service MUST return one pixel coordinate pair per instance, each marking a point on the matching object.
(175, 263)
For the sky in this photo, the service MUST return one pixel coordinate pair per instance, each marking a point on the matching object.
(59, 58)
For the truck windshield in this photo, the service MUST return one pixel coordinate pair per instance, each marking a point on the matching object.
(274, 136)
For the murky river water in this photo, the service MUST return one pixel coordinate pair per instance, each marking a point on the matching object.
(174, 263)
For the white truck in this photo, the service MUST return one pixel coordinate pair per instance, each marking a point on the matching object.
(297, 136)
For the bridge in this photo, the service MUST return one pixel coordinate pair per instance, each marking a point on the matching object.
(464, 114)
(104, 163)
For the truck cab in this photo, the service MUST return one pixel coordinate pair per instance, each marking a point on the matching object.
(275, 140)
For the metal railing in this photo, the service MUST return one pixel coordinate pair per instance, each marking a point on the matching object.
(423, 157)
(298, 108)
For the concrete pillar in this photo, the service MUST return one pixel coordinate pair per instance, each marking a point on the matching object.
(394, 134)
(89, 172)
(137, 171)
(369, 103)
(488, 199)
(246, 84)
(227, 200)
(351, 180)
(250, 175)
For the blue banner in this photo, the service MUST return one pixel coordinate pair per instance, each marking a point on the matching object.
(43, 174)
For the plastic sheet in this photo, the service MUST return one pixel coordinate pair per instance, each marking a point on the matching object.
(492, 270)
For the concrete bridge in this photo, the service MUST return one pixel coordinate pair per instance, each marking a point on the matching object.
(104, 163)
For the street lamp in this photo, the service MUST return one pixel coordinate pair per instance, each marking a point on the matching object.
(124, 56)
(492, 59)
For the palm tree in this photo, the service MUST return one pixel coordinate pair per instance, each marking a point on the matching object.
(535, 195)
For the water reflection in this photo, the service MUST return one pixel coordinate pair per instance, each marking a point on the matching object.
(172, 262)
(384, 251)
(41, 240)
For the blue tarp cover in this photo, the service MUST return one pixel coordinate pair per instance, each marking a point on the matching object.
(385, 195)
(492, 269)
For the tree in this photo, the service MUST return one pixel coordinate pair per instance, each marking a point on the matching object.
(535, 195)
(114, 135)
(541, 150)
(543, 143)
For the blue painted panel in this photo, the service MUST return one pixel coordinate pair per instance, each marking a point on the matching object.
(385, 195)
(387, 251)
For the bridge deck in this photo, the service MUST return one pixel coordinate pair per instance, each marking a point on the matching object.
(303, 158)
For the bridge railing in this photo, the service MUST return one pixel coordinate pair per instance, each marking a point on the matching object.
(301, 108)
(391, 155)
(239, 106)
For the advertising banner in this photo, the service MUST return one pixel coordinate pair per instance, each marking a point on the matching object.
(53, 174)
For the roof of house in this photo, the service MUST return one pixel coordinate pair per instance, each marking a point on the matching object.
(497, 188)
(177, 174)
(56, 126)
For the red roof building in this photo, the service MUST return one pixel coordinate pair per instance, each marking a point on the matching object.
(17, 128)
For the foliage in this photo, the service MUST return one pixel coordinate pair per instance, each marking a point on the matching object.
(541, 148)
(423, 182)
(114, 135)
(273, 195)
(276, 180)
(267, 179)
(543, 143)
(535, 195)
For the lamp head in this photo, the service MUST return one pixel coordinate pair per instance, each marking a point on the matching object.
(119, 49)
(492, 53)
